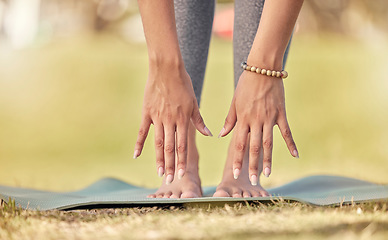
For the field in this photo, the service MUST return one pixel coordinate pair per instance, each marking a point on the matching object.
(69, 113)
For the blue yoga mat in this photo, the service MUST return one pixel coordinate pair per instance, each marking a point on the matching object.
(110, 192)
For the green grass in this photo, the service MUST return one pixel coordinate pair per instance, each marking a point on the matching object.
(69, 114)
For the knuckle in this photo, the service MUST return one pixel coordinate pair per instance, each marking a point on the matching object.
(142, 133)
(267, 161)
(139, 144)
(237, 163)
(182, 148)
(253, 168)
(291, 143)
(159, 143)
(287, 133)
(181, 165)
(254, 149)
(169, 149)
(198, 119)
(170, 169)
(182, 115)
(182, 119)
(240, 147)
(267, 144)
(160, 162)
(229, 121)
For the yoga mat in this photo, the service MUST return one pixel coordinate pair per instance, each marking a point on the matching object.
(110, 192)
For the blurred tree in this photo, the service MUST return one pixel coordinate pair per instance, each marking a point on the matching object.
(2, 10)
(344, 16)
(58, 17)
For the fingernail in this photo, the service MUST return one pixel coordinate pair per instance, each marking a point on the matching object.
(295, 153)
(208, 132)
(160, 171)
(136, 154)
(254, 180)
(236, 172)
(267, 172)
(181, 172)
(169, 179)
(222, 132)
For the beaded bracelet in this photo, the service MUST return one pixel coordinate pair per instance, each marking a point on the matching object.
(282, 74)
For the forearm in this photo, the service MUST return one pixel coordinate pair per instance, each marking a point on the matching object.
(276, 26)
(160, 31)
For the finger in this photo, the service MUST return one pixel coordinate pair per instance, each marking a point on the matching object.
(255, 151)
(181, 142)
(198, 122)
(240, 144)
(141, 136)
(159, 148)
(169, 152)
(287, 136)
(267, 148)
(230, 121)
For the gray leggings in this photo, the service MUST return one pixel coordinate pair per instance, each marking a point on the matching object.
(194, 20)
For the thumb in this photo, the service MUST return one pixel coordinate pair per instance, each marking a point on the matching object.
(198, 122)
(230, 121)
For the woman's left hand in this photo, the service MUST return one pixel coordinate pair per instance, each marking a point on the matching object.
(258, 105)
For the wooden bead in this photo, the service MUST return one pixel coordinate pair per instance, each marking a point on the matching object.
(279, 74)
(284, 74)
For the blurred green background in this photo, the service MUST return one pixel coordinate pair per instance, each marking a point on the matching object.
(70, 100)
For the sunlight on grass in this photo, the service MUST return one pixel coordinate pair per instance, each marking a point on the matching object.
(280, 220)
(69, 112)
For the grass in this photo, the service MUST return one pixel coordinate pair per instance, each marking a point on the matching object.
(281, 220)
(69, 113)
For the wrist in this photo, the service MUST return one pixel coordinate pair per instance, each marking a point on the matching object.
(272, 61)
(166, 67)
(159, 60)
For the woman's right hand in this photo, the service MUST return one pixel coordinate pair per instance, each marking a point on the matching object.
(169, 104)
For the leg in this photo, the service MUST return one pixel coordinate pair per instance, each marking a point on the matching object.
(194, 19)
(246, 22)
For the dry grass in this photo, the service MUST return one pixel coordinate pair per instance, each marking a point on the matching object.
(275, 221)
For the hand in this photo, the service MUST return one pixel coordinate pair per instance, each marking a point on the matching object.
(258, 104)
(169, 104)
